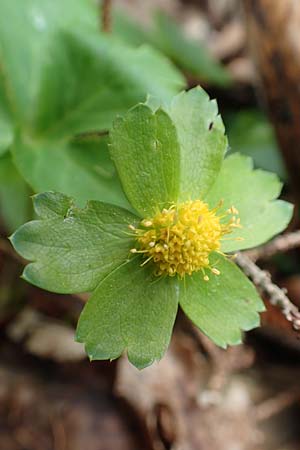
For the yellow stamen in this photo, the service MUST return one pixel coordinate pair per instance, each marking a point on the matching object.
(147, 223)
(179, 240)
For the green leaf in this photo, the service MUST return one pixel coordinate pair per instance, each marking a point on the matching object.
(26, 27)
(130, 310)
(83, 87)
(128, 29)
(253, 193)
(82, 169)
(76, 80)
(72, 249)
(6, 132)
(15, 207)
(87, 80)
(222, 306)
(166, 35)
(146, 153)
(202, 141)
(6, 136)
(149, 160)
(6, 126)
(192, 57)
(250, 133)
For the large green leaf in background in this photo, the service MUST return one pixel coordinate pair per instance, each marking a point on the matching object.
(186, 53)
(249, 132)
(26, 28)
(167, 36)
(6, 135)
(15, 204)
(6, 131)
(222, 306)
(60, 77)
(82, 168)
(6, 124)
(72, 249)
(87, 80)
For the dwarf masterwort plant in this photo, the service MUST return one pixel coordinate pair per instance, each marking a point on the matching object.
(191, 210)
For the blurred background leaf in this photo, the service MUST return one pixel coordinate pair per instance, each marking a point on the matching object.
(61, 77)
(250, 132)
(166, 35)
(15, 204)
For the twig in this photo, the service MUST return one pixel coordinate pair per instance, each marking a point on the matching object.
(91, 134)
(277, 296)
(105, 12)
(280, 244)
(275, 405)
(59, 435)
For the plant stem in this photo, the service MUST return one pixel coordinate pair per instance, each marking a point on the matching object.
(106, 15)
(280, 244)
(91, 135)
(277, 296)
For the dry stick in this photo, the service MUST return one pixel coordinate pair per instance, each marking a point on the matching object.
(280, 244)
(91, 134)
(275, 405)
(105, 12)
(277, 296)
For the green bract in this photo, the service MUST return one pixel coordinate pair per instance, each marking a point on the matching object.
(163, 156)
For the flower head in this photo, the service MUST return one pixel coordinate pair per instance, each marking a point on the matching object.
(180, 239)
(170, 161)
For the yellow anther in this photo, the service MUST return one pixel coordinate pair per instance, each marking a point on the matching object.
(180, 240)
(147, 223)
(232, 210)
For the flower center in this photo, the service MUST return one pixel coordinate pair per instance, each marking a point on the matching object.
(180, 239)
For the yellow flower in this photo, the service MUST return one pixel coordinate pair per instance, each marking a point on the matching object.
(180, 239)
